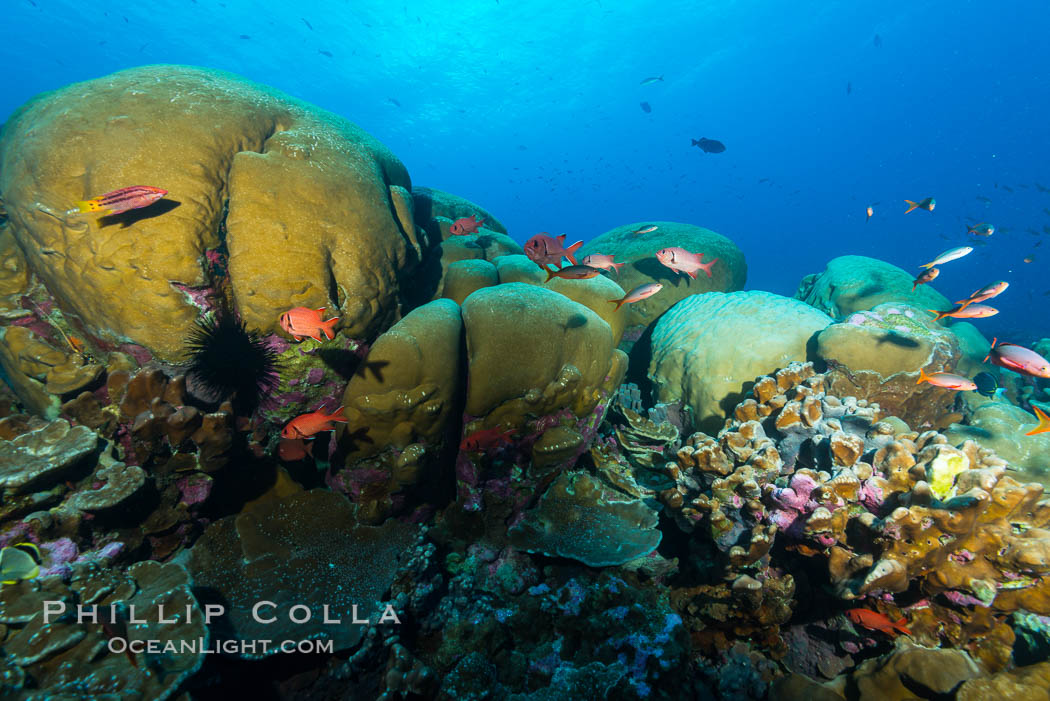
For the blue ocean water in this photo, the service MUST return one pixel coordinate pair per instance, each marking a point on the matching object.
(533, 110)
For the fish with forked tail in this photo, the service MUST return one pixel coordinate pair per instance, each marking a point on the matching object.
(121, 200)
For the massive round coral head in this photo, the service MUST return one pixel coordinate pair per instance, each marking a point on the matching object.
(312, 210)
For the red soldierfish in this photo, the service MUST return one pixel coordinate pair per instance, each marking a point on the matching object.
(985, 293)
(928, 204)
(924, 277)
(548, 250)
(946, 380)
(873, 620)
(294, 449)
(967, 311)
(605, 262)
(638, 293)
(681, 260)
(307, 425)
(1019, 359)
(1044, 422)
(466, 225)
(573, 272)
(486, 440)
(303, 322)
(121, 200)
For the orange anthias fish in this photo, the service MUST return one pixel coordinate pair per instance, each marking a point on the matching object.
(925, 276)
(572, 272)
(543, 250)
(637, 294)
(486, 440)
(985, 293)
(605, 262)
(303, 322)
(681, 260)
(981, 229)
(946, 380)
(928, 204)
(966, 311)
(466, 225)
(871, 211)
(121, 200)
(873, 620)
(1044, 422)
(307, 425)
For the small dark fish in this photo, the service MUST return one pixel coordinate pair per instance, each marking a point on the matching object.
(325, 53)
(986, 383)
(1042, 188)
(523, 147)
(877, 41)
(709, 145)
(244, 36)
(308, 25)
(982, 198)
(394, 102)
(646, 108)
(1046, 211)
(763, 180)
(1008, 188)
(849, 88)
(654, 79)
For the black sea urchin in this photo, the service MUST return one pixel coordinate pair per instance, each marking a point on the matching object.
(226, 358)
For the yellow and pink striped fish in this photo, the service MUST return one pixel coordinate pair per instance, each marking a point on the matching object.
(122, 200)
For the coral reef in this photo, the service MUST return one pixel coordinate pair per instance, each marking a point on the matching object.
(1001, 427)
(698, 356)
(638, 252)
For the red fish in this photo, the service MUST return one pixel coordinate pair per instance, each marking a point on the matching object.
(637, 294)
(294, 449)
(681, 260)
(1019, 359)
(548, 250)
(1044, 422)
(486, 440)
(466, 225)
(605, 262)
(985, 293)
(307, 425)
(572, 272)
(968, 311)
(946, 380)
(122, 200)
(873, 620)
(303, 322)
(925, 276)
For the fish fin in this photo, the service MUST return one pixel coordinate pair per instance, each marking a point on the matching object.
(617, 266)
(1044, 422)
(550, 273)
(92, 205)
(337, 415)
(994, 340)
(560, 239)
(690, 273)
(329, 326)
(571, 250)
(927, 265)
(936, 314)
(914, 205)
(901, 625)
(478, 222)
(707, 266)
(321, 310)
(618, 303)
(923, 377)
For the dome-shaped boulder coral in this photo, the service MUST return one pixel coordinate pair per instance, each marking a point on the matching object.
(707, 349)
(857, 283)
(638, 253)
(270, 201)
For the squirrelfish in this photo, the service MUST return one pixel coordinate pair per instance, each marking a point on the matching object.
(466, 225)
(637, 294)
(543, 249)
(1018, 358)
(303, 322)
(307, 425)
(873, 620)
(681, 260)
(925, 277)
(1044, 422)
(572, 272)
(605, 262)
(121, 200)
(928, 204)
(946, 380)
(949, 255)
(981, 229)
(294, 449)
(967, 311)
(486, 440)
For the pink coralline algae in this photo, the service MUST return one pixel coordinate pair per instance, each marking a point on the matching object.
(315, 376)
(193, 489)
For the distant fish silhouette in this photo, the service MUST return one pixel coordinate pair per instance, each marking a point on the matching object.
(877, 41)
(849, 87)
(325, 53)
(646, 108)
(308, 25)
(654, 79)
(244, 36)
(709, 145)
(394, 102)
